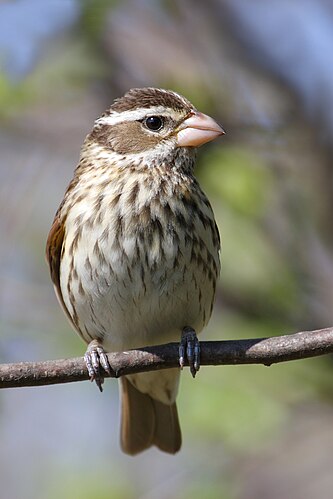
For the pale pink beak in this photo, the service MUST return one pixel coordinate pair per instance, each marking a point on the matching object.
(197, 130)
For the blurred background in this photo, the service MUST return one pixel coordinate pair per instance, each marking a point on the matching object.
(265, 71)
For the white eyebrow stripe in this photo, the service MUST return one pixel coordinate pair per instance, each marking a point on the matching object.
(134, 115)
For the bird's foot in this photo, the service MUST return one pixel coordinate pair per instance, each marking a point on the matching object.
(95, 359)
(189, 348)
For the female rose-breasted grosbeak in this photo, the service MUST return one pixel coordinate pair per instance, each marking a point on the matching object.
(134, 249)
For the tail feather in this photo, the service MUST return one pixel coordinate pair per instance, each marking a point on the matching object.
(146, 422)
(167, 435)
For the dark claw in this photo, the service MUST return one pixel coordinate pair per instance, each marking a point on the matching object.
(104, 361)
(189, 346)
(95, 358)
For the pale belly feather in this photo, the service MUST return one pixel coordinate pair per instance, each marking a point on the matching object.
(136, 297)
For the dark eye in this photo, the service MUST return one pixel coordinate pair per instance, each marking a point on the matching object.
(154, 123)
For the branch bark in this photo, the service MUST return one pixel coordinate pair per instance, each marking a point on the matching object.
(265, 351)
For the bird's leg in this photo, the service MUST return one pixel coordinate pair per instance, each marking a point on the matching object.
(95, 358)
(189, 348)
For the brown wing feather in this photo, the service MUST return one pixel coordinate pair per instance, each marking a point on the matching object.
(54, 247)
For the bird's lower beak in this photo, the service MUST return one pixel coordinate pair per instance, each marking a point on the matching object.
(197, 130)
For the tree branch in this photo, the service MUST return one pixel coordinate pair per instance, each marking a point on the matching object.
(265, 351)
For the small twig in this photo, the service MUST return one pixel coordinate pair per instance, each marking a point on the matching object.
(265, 351)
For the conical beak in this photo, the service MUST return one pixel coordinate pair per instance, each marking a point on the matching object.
(197, 130)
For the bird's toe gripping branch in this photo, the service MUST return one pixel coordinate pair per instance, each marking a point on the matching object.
(95, 358)
(189, 349)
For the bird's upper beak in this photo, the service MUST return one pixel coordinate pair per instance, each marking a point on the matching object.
(198, 129)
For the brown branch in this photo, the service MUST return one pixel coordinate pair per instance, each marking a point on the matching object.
(265, 351)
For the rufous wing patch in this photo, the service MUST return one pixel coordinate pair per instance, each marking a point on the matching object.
(54, 247)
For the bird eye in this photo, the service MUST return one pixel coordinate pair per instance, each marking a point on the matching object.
(154, 123)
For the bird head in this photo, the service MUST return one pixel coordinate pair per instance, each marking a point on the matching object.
(148, 125)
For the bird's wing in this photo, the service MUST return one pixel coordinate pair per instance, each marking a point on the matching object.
(54, 247)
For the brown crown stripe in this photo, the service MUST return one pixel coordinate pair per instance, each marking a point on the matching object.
(149, 97)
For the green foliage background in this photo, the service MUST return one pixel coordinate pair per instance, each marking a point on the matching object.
(268, 187)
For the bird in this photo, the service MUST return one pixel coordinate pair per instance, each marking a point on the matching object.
(134, 251)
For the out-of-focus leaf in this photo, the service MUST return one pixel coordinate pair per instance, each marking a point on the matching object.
(13, 96)
(252, 266)
(245, 405)
(92, 484)
(93, 18)
(236, 177)
(239, 187)
(209, 487)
